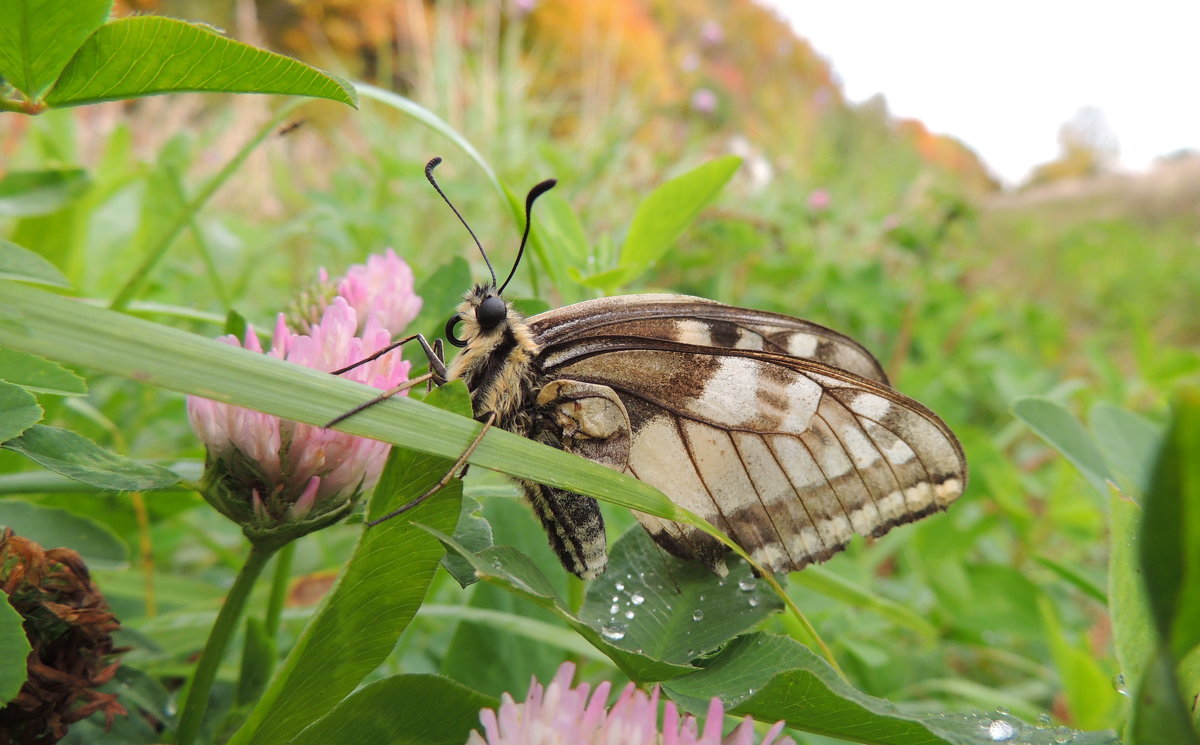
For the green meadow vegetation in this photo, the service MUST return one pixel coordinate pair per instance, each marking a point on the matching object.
(1056, 331)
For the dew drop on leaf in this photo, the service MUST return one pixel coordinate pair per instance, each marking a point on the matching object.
(1118, 683)
(1000, 730)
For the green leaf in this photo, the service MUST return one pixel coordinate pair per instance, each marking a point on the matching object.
(30, 193)
(1091, 698)
(39, 374)
(402, 710)
(38, 37)
(148, 55)
(14, 648)
(52, 527)
(372, 603)
(474, 532)
(1064, 433)
(512, 570)
(513, 658)
(1129, 441)
(1128, 605)
(19, 410)
(1170, 537)
(70, 454)
(663, 215)
(1160, 714)
(774, 678)
(670, 609)
(19, 263)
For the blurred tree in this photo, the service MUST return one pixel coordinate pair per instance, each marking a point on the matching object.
(1088, 148)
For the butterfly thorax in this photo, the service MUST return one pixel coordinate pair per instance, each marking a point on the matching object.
(499, 365)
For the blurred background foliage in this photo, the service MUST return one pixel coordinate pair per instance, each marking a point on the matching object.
(1080, 287)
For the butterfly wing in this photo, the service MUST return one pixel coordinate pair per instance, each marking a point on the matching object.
(704, 323)
(789, 456)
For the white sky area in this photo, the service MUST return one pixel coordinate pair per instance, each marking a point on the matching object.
(1004, 76)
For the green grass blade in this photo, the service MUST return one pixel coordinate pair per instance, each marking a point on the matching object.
(54, 327)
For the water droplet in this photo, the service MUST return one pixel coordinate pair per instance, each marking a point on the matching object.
(753, 602)
(1063, 735)
(613, 631)
(721, 582)
(1003, 711)
(751, 691)
(629, 614)
(612, 609)
(1001, 731)
(701, 598)
(1118, 683)
(637, 598)
(616, 598)
(1043, 720)
(697, 615)
(620, 585)
(748, 584)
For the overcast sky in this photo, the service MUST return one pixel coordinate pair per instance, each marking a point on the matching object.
(1003, 77)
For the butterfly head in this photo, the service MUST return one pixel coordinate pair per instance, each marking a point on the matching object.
(482, 312)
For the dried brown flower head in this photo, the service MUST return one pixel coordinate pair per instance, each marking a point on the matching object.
(70, 630)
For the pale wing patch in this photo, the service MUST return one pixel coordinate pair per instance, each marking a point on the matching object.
(692, 331)
(802, 345)
(730, 396)
(658, 457)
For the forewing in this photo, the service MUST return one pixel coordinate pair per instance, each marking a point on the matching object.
(788, 456)
(704, 323)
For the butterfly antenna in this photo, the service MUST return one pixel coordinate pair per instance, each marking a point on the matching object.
(432, 164)
(534, 193)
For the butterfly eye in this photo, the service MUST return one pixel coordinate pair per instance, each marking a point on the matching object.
(450, 337)
(491, 312)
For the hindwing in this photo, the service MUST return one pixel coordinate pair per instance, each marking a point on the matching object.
(782, 433)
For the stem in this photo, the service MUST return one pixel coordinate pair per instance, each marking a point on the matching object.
(145, 549)
(279, 588)
(218, 640)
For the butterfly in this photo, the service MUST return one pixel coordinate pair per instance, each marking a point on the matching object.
(784, 434)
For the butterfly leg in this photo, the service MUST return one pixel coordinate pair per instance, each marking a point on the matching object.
(458, 464)
(435, 377)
